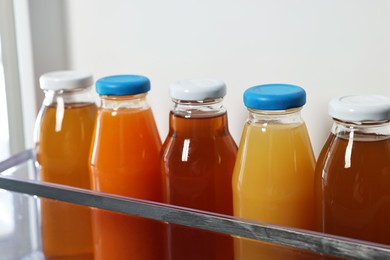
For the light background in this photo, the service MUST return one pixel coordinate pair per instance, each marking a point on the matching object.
(330, 48)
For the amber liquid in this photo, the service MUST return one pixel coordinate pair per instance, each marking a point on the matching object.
(354, 189)
(63, 159)
(197, 163)
(125, 161)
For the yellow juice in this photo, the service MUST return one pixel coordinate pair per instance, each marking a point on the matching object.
(273, 181)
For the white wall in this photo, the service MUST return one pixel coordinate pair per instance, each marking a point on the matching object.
(33, 42)
(328, 47)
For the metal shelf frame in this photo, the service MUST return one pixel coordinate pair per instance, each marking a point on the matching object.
(274, 234)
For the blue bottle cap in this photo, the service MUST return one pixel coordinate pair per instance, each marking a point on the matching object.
(122, 85)
(274, 97)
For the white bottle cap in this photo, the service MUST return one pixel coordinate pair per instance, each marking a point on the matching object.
(359, 108)
(66, 79)
(197, 89)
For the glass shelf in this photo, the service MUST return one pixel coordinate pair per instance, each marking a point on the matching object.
(21, 194)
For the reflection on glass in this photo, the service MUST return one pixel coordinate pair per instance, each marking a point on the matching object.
(7, 224)
(19, 237)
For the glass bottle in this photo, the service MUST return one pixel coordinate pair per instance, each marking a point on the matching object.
(353, 169)
(63, 133)
(124, 160)
(197, 161)
(274, 171)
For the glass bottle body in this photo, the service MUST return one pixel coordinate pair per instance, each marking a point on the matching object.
(126, 147)
(197, 163)
(124, 160)
(353, 183)
(63, 135)
(273, 175)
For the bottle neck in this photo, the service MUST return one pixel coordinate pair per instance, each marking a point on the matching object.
(361, 131)
(124, 102)
(289, 116)
(198, 109)
(198, 118)
(68, 97)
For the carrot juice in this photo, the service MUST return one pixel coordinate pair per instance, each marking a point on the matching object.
(124, 160)
(138, 151)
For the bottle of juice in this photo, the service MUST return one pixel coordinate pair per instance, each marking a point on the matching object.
(353, 169)
(197, 161)
(124, 160)
(274, 171)
(63, 134)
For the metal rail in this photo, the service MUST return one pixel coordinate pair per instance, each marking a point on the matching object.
(296, 238)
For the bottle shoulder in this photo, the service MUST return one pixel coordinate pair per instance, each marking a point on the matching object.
(361, 131)
(199, 127)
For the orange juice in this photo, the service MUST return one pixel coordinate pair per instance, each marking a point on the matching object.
(124, 160)
(63, 158)
(63, 133)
